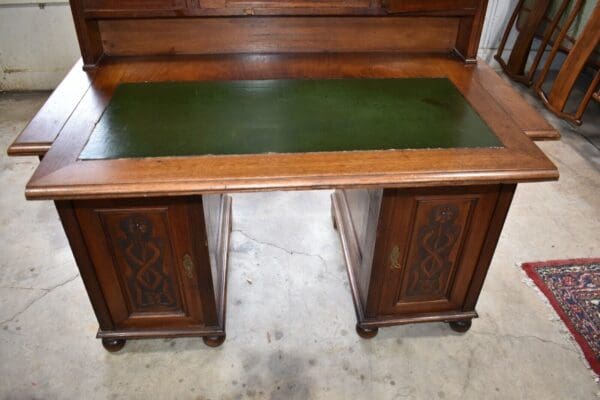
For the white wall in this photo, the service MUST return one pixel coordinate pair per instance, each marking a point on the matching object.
(496, 19)
(38, 44)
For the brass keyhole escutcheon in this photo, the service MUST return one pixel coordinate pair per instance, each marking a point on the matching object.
(394, 257)
(188, 265)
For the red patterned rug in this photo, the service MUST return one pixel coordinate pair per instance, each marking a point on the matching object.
(573, 289)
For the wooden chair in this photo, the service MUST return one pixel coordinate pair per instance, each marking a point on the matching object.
(516, 64)
(540, 20)
(577, 60)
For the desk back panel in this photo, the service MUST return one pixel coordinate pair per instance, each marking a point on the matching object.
(259, 35)
(159, 27)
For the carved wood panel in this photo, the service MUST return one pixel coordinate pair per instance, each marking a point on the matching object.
(141, 249)
(437, 237)
(151, 261)
(428, 245)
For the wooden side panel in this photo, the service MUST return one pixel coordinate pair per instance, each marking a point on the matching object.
(428, 246)
(489, 246)
(217, 214)
(212, 218)
(152, 261)
(128, 37)
(363, 206)
(84, 263)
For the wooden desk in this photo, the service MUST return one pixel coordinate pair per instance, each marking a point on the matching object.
(424, 169)
(423, 146)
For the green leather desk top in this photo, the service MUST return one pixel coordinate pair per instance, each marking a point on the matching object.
(285, 116)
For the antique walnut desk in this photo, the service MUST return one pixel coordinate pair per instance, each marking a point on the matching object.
(383, 102)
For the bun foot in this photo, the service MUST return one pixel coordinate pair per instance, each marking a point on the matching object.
(460, 326)
(366, 333)
(213, 341)
(113, 345)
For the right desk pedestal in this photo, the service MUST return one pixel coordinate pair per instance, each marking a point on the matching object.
(419, 255)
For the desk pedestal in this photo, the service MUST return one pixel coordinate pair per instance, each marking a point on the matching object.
(419, 255)
(158, 267)
(153, 267)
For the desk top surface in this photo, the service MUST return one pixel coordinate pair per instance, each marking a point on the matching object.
(285, 116)
(467, 137)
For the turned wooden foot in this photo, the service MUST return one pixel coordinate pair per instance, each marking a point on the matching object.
(460, 326)
(213, 341)
(113, 345)
(366, 333)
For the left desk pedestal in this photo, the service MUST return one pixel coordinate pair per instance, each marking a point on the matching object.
(153, 267)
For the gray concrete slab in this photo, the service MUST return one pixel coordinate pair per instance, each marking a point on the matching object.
(290, 315)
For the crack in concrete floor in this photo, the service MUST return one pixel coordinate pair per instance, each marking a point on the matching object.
(46, 291)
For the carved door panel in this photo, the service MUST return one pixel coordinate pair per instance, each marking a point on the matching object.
(428, 246)
(151, 260)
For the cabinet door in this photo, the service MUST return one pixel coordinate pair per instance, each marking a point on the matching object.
(151, 259)
(428, 246)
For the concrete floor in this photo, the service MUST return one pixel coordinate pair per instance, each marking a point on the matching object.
(290, 328)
